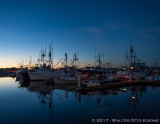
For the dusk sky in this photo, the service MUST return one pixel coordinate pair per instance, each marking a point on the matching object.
(79, 26)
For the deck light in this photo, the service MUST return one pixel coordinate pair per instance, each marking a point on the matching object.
(131, 68)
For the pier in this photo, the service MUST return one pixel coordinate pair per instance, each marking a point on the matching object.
(120, 84)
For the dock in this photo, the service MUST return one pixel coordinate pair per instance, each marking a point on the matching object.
(119, 84)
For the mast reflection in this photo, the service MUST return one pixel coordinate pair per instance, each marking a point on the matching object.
(103, 98)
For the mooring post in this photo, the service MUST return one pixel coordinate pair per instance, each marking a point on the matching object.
(79, 82)
(46, 78)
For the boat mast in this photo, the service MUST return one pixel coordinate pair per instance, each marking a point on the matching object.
(95, 56)
(50, 55)
(43, 55)
(98, 60)
(75, 59)
(66, 59)
(131, 56)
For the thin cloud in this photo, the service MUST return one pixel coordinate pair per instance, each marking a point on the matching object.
(149, 32)
(92, 30)
(118, 26)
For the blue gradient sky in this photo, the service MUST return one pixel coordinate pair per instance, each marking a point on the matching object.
(79, 26)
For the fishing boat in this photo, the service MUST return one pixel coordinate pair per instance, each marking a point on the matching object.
(136, 70)
(45, 70)
(45, 73)
(70, 77)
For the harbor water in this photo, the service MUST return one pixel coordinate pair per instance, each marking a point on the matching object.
(38, 103)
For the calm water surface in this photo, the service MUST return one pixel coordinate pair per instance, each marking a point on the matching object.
(35, 102)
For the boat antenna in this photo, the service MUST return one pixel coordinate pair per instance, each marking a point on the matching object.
(75, 59)
(52, 54)
(78, 59)
(45, 51)
(66, 59)
(41, 55)
(95, 56)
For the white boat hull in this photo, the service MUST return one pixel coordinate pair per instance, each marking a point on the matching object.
(44, 75)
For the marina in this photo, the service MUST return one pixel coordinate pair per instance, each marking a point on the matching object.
(79, 61)
(89, 78)
(89, 94)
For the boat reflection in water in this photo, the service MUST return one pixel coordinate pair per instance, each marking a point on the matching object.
(44, 91)
(101, 97)
(104, 97)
